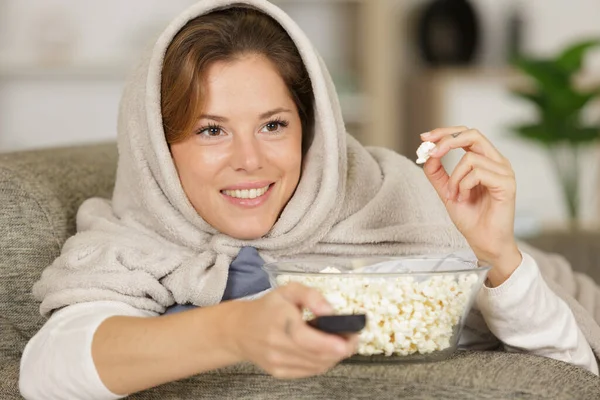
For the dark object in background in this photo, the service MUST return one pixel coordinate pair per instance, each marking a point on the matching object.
(514, 42)
(448, 32)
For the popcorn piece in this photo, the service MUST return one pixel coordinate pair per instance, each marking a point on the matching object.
(404, 316)
(424, 152)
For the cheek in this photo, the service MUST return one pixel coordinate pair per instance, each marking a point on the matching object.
(295, 164)
(195, 178)
(197, 168)
(290, 161)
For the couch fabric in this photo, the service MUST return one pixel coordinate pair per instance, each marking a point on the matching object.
(40, 192)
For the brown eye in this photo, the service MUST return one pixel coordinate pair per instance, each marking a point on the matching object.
(210, 131)
(272, 126)
(213, 131)
(275, 126)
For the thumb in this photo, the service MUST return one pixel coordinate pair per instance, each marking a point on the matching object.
(437, 176)
(305, 297)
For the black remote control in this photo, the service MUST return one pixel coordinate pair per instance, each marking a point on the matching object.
(339, 324)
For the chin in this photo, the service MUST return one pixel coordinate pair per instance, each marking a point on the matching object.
(247, 233)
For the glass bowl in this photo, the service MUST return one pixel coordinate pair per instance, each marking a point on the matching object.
(416, 306)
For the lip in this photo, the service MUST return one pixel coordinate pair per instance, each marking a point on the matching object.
(248, 185)
(250, 203)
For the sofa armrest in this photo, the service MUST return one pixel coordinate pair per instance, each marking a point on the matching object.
(40, 192)
(468, 375)
(9, 378)
(59, 180)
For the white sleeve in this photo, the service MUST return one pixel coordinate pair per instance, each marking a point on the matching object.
(527, 316)
(57, 362)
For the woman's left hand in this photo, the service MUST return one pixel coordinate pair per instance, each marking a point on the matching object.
(479, 196)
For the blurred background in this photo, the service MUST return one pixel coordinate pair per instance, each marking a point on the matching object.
(401, 67)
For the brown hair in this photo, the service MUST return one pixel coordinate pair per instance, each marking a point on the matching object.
(225, 35)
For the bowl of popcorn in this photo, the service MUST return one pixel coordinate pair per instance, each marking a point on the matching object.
(415, 306)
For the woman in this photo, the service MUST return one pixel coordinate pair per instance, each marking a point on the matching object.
(232, 153)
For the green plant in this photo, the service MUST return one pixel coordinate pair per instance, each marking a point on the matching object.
(560, 104)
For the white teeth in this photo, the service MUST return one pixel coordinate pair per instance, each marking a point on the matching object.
(246, 193)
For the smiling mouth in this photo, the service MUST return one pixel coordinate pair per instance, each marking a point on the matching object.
(247, 193)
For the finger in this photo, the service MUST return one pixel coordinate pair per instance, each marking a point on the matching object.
(470, 140)
(469, 162)
(291, 357)
(433, 168)
(294, 335)
(304, 297)
(501, 187)
(282, 351)
(438, 133)
(353, 341)
(437, 176)
(320, 344)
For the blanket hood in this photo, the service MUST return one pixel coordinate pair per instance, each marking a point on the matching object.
(147, 185)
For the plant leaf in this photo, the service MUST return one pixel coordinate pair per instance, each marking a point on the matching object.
(566, 103)
(570, 60)
(550, 134)
(559, 103)
(548, 75)
(535, 132)
(585, 134)
(535, 97)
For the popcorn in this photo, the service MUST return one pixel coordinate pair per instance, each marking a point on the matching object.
(404, 316)
(424, 152)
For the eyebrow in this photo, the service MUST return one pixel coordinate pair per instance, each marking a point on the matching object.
(261, 116)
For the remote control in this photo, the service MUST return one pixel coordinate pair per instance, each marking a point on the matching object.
(339, 324)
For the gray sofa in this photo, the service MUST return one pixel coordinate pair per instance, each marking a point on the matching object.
(39, 195)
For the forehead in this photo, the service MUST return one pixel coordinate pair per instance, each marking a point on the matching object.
(250, 82)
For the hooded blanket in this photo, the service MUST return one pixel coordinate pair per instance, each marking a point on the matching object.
(148, 247)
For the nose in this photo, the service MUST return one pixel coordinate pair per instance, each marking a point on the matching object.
(247, 155)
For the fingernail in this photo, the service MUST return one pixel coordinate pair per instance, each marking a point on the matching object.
(426, 134)
(459, 199)
(447, 195)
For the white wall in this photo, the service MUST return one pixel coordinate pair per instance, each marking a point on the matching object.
(75, 90)
(55, 111)
(101, 32)
(50, 99)
(107, 37)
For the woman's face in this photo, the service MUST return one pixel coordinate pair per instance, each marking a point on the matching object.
(243, 162)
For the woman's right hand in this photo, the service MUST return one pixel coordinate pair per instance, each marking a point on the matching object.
(271, 333)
